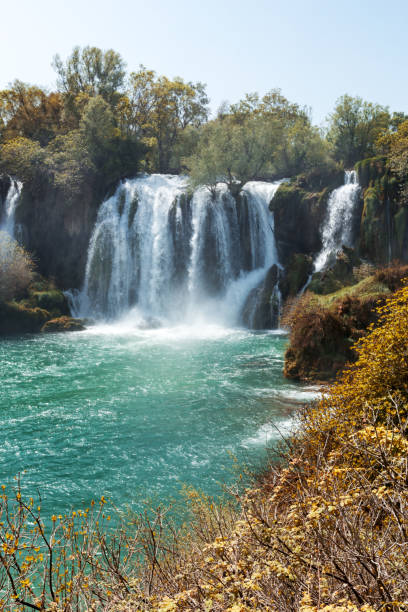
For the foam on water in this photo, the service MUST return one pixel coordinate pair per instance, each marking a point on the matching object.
(270, 432)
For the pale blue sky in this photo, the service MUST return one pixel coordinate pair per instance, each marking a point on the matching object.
(314, 51)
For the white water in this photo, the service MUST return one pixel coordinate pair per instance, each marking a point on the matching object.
(337, 227)
(159, 256)
(7, 223)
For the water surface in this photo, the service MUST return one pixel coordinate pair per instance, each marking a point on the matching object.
(133, 414)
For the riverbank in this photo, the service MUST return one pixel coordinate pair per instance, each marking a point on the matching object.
(38, 307)
(324, 530)
(324, 325)
(147, 410)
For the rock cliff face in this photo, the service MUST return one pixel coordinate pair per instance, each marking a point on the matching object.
(379, 224)
(299, 214)
(262, 307)
(5, 183)
(384, 218)
(57, 229)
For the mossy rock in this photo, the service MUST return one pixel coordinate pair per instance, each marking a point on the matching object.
(40, 284)
(373, 241)
(287, 193)
(321, 177)
(339, 275)
(371, 170)
(63, 324)
(326, 328)
(324, 283)
(294, 208)
(121, 201)
(320, 345)
(54, 301)
(297, 272)
(262, 306)
(400, 225)
(19, 319)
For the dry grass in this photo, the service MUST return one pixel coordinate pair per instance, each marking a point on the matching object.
(16, 268)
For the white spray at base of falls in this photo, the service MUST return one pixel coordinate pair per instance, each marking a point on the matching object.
(158, 253)
(7, 218)
(337, 227)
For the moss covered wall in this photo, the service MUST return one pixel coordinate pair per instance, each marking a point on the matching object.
(57, 230)
(298, 216)
(384, 218)
(300, 208)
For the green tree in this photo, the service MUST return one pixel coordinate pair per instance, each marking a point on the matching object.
(112, 153)
(233, 153)
(69, 164)
(256, 138)
(158, 110)
(354, 128)
(396, 119)
(397, 146)
(91, 71)
(301, 149)
(273, 105)
(30, 112)
(97, 128)
(24, 158)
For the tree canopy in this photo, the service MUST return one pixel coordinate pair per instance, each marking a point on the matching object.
(354, 127)
(267, 137)
(157, 110)
(395, 145)
(91, 71)
(106, 124)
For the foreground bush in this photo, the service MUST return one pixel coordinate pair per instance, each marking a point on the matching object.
(326, 529)
(16, 268)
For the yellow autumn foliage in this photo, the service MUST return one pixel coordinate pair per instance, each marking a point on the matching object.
(326, 530)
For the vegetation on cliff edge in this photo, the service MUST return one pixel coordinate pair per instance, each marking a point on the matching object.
(324, 327)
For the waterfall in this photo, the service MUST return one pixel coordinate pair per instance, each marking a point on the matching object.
(337, 227)
(7, 221)
(164, 253)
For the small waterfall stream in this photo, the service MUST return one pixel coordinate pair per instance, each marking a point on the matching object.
(337, 227)
(165, 254)
(7, 218)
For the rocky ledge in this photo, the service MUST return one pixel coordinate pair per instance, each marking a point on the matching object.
(63, 324)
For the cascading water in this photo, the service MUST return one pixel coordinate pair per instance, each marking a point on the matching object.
(337, 228)
(171, 255)
(7, 219)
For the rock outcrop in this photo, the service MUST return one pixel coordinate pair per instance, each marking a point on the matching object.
(19, 319)
(40, 304)
(63, 324)
(383, 232)
(262, 306)
(298, 218)
(56, 229)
